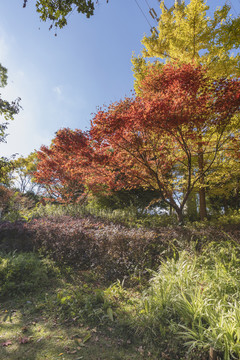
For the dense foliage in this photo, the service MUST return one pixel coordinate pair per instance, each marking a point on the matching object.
(90, 243)
(168, 140)
(23, 273)
(186, 33)
(59, 11)
(107, 245)
(196, 297)
(184, 311)
(7, 112)
(64, 167)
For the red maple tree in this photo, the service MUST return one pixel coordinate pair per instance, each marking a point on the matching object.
(61, 167)
(70, 167)
(167, 138)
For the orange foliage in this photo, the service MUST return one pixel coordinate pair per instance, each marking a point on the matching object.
(150, 141)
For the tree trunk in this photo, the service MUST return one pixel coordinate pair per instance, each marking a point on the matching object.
(202, 194)
(180, 216)
(192, 211)
(237, 197)
(202, 204)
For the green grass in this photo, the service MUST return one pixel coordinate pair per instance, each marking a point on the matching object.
(72, 316)
(37, 336)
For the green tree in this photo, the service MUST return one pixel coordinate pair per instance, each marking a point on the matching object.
(7, 109)
(23, 178)
(7, 112)
(186, 34)
(57, 11)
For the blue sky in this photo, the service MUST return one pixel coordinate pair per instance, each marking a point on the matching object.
(63, 79)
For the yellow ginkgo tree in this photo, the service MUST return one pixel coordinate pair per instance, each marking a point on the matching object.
(186, 34)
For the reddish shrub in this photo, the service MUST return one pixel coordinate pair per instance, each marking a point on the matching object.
(116, 250)
(87, 243)
(15, 236)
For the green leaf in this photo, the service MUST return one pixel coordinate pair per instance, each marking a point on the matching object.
(110, 313)
(86, 338)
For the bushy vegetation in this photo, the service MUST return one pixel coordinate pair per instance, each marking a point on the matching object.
(88, 243)
(15, 205)
(128, 216)
(116, 251)
(90, 225)
(28, 209)
(23, 273)
(174, 290)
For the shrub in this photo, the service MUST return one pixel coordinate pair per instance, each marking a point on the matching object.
(23, 273)
(14, 204)
(16, 236)
(115, 250)
(90, 244)
(129, 216)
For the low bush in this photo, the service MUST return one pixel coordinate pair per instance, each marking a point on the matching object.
(112, 249)
(16, 236)
(232, 218)
(14, 204)
(23, 273)
(87, 243)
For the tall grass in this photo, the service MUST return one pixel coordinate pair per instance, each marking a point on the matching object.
(197, 298)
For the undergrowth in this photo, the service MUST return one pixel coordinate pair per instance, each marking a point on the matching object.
(189, 305)
(128, 216)
(22, 273)
(174, 289)
(196, 298)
